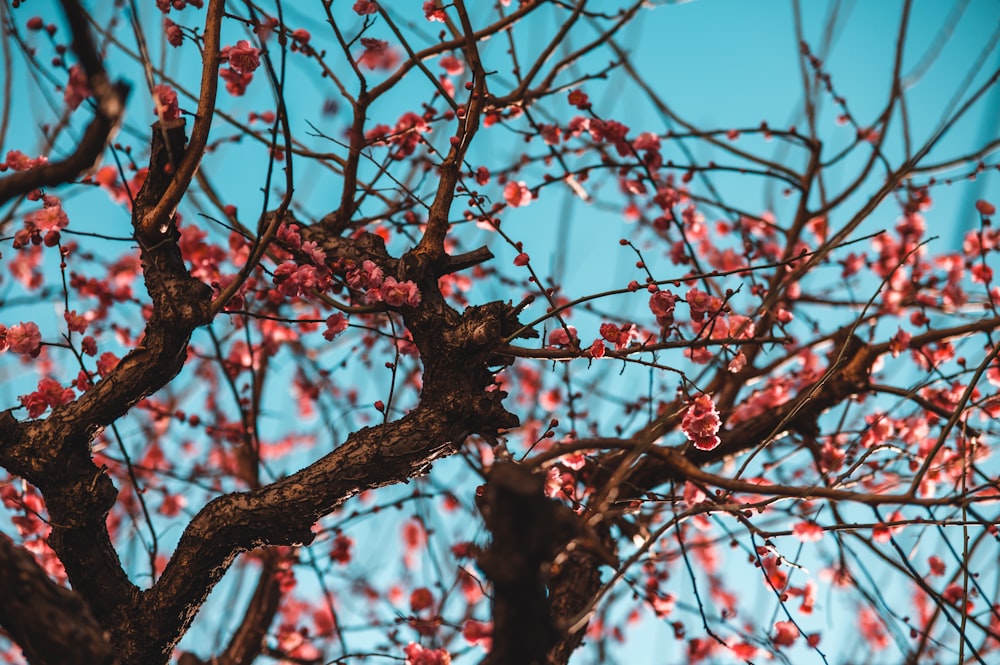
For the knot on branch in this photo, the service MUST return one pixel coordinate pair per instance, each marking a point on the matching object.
(85, 499)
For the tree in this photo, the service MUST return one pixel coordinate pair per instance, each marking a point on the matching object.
(297, 342)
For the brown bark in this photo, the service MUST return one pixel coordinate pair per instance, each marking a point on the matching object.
(51, 624)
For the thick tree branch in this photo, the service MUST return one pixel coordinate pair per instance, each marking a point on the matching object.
(528, 530)
(164, 208)
(248, 640)
(458, 398)
(51, 624)
(54, 454)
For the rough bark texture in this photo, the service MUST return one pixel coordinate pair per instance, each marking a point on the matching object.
(52, 625)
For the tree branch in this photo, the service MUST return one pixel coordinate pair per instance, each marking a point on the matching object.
(51, 624)
(108, 113)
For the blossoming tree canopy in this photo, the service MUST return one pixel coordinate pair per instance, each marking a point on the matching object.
(498, 332)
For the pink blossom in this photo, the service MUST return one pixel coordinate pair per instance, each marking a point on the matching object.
(662, 305)
(315, 254)
(106, 363)
(289, 234)
(559, 336)
(89, 345)
(699, 302)
(236, 82)
(873, 629)
(341, 550)
(243, 57)
(50, 393)
(50, 218)
(418, 655)
(24, 338)
(701, 423)
(517, 194)
(368, 276)
(377, 54)
(452, 65)
(613, 132)
(173, 32)
(165, 103)
(740, 327)
(406, 134)
(785, 633)
(172, 505)
(663, 605)
(293, 279)
(807, 532)
(693, 495)
(737, 364)
(363, 7)
(75, 322)
(166, 5)
(432, 11)
(953, 593)
(550, 134)
(77, 89)
(18, 161)
(579, 99)
(421, 599)
(477, 632)
(619, 336)
(397, 294)
(646, 141)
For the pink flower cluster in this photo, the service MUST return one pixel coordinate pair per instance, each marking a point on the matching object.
(405, 135)
(243, 57)
(559, 336)
(418, 655)
(243, 60)
(662, 304)
(165, 103)
(370, 279)
(335, 325)
(377, 54)
(42, 225)
(24, 338)
(620, 336)
(432, 12)
(18, 161)
(49, 394)
(293, 279)
(517, 194)
(701, 423)
(77, 88)
(702, 303)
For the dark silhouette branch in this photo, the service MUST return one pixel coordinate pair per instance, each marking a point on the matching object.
(52, 625)
(108, 111)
